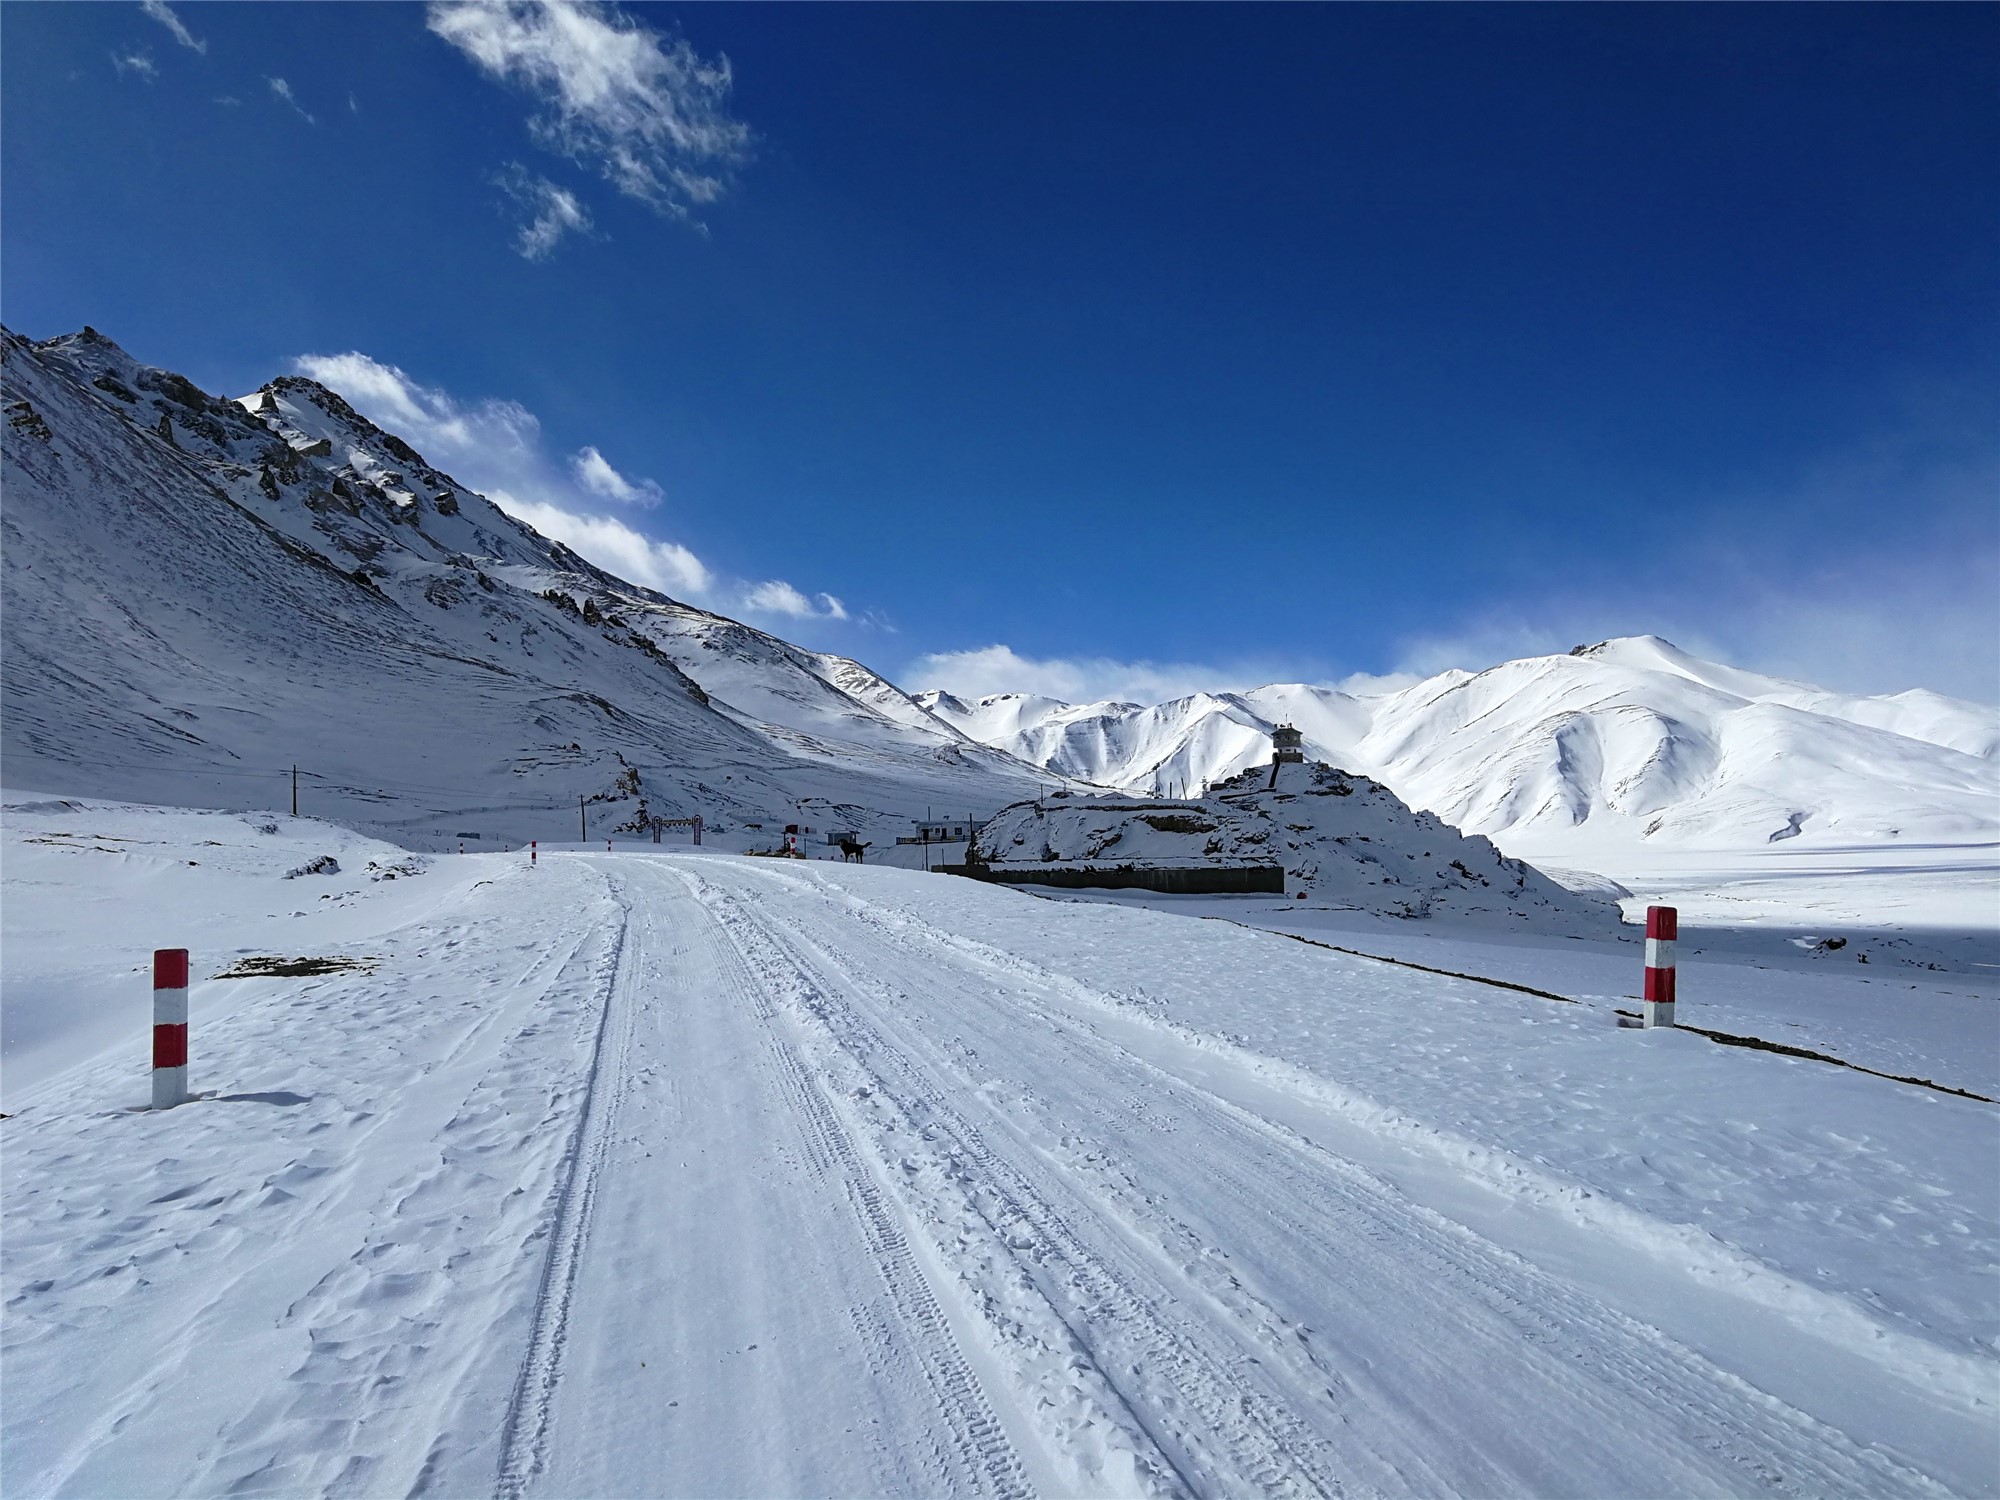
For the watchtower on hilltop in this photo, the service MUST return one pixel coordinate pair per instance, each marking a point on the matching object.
(1287, 749)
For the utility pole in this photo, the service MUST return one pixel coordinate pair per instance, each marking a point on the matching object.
(582, 823)
(295, 791)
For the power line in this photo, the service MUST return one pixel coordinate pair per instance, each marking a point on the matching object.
(492, 801)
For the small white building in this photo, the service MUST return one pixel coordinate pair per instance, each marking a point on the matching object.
(945, 831)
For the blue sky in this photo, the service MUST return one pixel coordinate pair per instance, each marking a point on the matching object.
(1104, 350)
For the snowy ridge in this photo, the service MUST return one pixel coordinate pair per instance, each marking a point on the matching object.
(1613, 746)
(202, 592)
(1346, 844)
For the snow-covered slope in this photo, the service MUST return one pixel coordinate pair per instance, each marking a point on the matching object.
(1346, 843)
(201, 593)
(1608, 747)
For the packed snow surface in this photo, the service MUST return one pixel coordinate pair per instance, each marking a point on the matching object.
(694, 1174)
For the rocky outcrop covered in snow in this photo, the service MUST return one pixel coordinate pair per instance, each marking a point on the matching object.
(1344, 841)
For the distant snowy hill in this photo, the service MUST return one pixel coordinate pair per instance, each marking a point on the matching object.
(1346, 843)
(1613, 746)
(202, 592)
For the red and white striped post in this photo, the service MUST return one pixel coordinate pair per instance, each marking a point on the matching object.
(170, 1027)
(1662, 923)
(533, 854)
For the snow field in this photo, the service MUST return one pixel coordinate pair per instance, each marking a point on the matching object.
(1950, 887)
(689, 1174)
(92, 888)
(1926, 1005)
(229, 1294)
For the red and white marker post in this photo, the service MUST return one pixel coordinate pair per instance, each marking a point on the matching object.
(1662, 924)
(533, 854)
(170, 1027)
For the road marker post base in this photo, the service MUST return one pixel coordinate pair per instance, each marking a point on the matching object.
(170, 1027)
(1662, 926)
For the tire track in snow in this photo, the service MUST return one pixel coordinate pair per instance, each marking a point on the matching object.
(525, 1433)
(1587, 1358)
(1907, 1356)
(1241, 1436)
(979, 1458)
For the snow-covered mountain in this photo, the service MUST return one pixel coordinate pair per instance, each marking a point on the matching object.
(1612, 746)
(201, 593)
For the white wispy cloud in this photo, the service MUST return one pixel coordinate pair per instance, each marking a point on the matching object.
(552, 211)
(1083, 679)
(994, 669)
(1475, 643)
(446, 429)
(594, 472)
(135, 62)
(615, 546)
(1873, 570)
(284, 91)
(227, 101)
(160, 11)
(496, 447)
(776, 597)
(1861, 631)
(642, 108)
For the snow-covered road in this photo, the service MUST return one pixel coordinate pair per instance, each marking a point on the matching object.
(685, 1175)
